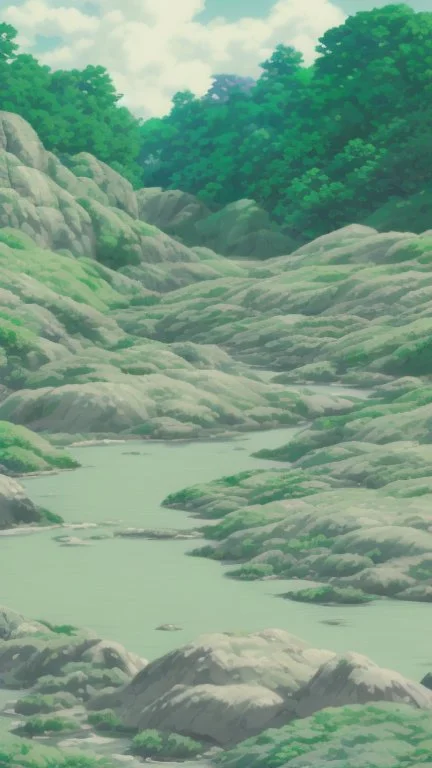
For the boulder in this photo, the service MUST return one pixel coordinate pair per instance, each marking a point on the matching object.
(171, 210)
(13, 625)
(354, 679)
(15, 506)
(222, 687)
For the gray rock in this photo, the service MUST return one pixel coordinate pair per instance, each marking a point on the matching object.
(14, 626)
(354, 679)
(222, 687)
(168, 628)
(15, 507)
(157, 534)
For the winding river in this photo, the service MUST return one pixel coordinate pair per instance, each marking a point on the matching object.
(125, 588)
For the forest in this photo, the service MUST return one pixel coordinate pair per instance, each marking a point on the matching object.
(317, 147)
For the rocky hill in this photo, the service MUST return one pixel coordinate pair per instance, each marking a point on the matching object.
(218, 690)
(66, 364)
(121, 315)
(161, 346)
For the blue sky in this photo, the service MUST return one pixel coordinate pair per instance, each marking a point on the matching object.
(233, 9)
(155, 48)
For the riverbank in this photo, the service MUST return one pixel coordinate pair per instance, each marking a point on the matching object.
(116, 490)
(70, 688)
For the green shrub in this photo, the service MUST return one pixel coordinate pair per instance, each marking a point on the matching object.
(327, 595)
(60, 629)
(116, 250)
(50, 518)
(149, 300)
(16, 753)
(307, 543)
(12, 240)
(22, 451)
(422, 571)
(38, 726)
(173, 746)
(39, 704)
(106, 721)
(252, 572)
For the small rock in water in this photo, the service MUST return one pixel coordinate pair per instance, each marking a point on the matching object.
(132, 453)
(71, 541)
(334, 622)
(169, 628)
(157, 534)
(77, 526)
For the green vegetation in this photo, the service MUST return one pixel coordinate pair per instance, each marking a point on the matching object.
(106, 721)
(46, 517)
(326, 595)
(72, 110)
(252, 572)
(317, 147)
(377, 736)
(23, 451)
(39, 704)
(165, 746)
(39, 726)
(60, 629)
(19, 753)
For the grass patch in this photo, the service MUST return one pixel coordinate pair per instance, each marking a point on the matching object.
(165, 746)
(40, 704)
(327, 595)
(60, 629)
(22, 451)
(39, 726)
(252, 572)
(106, 721)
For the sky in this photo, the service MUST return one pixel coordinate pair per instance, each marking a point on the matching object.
(155, 48)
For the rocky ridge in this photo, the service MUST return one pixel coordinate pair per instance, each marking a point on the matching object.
(220, 689)
(66, 364)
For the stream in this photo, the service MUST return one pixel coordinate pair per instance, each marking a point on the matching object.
(125, 588)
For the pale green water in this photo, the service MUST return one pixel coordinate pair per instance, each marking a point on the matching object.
(124, 589)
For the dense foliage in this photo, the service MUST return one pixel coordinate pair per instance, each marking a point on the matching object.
(166, 746)
(317, 147)
(71, 110)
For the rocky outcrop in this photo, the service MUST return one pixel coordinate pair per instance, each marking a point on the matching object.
(358, 538)
(172, 211)
(238, 229)
(243, 229)
(226, 688)
(379, 735)
(221, 688)
(86, 209)
(31, 652)
(15, 507)
(13, 625)
(354, 679)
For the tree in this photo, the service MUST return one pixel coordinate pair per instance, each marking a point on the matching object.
(8, 46)
(378, 64)
(224, 85)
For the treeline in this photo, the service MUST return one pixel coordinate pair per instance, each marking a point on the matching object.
(71, 110)
(317, 146)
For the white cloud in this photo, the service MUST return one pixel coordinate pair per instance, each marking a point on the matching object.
(37, 16)
(153, 48)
